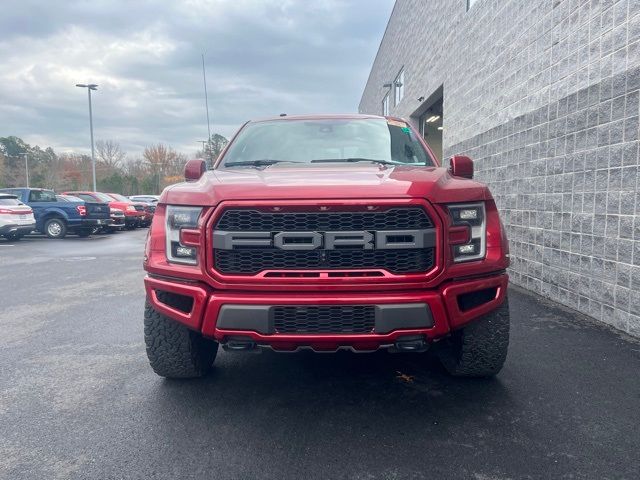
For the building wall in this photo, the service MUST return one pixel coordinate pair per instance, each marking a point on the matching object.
(544, 96)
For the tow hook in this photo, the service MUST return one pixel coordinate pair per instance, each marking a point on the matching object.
(413, 343)
(239, 344)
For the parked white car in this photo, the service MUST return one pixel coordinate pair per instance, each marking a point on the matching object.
(16, 218)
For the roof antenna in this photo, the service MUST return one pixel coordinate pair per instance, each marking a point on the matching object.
(283, 114)
(206, 102)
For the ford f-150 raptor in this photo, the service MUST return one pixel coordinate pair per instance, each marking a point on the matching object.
(327, 232)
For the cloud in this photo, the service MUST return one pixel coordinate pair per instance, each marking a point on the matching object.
(263, 58)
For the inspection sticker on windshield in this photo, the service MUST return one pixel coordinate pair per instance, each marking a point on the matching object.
(396, 123)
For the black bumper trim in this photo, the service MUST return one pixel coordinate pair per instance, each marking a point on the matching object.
(95, 222)
(388, 317)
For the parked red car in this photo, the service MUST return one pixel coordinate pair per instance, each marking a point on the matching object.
(141, 207)
(132, 217)
(325, 233)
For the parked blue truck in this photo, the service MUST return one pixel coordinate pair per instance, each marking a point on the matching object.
(56, 218)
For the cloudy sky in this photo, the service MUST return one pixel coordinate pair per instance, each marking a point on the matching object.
(263, 57)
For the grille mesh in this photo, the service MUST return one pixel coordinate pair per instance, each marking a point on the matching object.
(335, 319)
(255, 221)
(252, 261)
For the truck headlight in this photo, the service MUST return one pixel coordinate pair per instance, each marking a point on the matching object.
(176, 219)
(471, 215)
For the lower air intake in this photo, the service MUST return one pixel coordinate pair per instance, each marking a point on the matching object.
(332, 319)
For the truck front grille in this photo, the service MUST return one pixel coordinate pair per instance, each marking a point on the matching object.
(252, 257)
(334, 319)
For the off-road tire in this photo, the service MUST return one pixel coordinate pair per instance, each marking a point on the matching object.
(12, 237)
(479, 349)
(173, 350)
(60, 232)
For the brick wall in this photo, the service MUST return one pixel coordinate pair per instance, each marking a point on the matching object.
(544, 96)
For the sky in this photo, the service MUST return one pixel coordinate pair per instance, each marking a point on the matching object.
(263, 58)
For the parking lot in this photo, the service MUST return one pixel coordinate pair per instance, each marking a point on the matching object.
(78, 400)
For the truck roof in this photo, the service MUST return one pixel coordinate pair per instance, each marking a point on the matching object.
(326, 116)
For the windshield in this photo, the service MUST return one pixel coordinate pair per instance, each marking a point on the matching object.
(326, 140)
(120, 198)
(104, 197)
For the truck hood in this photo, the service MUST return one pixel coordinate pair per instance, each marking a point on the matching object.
(325, 181)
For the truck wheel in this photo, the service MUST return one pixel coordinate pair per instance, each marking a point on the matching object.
(84, 233)
(173, 350)
(55, 228)
(480, 349)
(13, 237)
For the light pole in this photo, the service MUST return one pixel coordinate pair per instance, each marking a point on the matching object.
(26, 166)
(89, 87)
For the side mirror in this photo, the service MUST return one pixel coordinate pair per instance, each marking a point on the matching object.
(461, 166)
(194, 169)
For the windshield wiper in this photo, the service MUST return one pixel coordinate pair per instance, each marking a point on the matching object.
(256, 163)
(356, 159)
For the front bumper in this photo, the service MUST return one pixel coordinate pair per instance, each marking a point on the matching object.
(19, 229)
(117, 222)
(132, 220)
(229, 314)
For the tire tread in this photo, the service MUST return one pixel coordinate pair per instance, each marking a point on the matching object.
(173, 350)
(480, 349)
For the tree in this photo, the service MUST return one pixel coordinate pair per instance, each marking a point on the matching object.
(213, 148)
(51, 168)
(76, 172)
(163, 161)
(159, 166)
(216, 144)
(110, 153)
(2, 171)
(13, 146)
(13, 150)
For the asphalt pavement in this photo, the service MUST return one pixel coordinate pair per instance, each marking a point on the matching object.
(79, 401)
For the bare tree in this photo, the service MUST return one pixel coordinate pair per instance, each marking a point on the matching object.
(76, 171)
(110, 154)
(136, 167)
(163, 161)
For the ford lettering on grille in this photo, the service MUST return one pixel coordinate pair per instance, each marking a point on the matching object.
(398, 240)
(390, 239)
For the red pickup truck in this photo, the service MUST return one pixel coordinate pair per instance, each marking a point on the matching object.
(325, 233)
